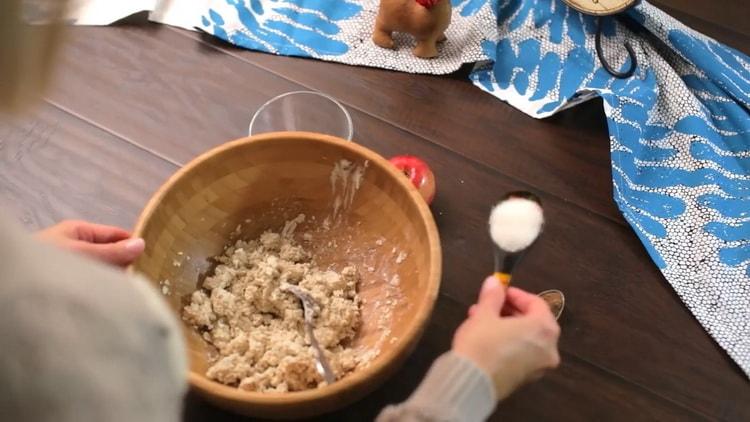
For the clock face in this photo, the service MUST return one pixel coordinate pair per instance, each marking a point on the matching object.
(600, 7)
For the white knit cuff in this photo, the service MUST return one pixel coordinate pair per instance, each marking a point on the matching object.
(457, 389)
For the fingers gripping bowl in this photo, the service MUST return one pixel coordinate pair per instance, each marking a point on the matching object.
(377, 223)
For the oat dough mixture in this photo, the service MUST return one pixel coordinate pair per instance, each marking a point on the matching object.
(258, 329)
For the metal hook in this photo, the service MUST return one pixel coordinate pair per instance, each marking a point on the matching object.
(607, 67)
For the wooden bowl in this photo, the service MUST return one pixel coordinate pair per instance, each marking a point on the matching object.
(247, 186)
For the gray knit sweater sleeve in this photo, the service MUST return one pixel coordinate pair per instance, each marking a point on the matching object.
(454, 390)
(82, 342)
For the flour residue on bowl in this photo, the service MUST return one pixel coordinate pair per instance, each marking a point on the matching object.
(346, 179)
(382, 287)
(165, 287)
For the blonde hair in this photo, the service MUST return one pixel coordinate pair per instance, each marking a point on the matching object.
(30, 34)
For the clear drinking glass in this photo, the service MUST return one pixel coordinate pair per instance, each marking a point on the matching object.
(306, 111)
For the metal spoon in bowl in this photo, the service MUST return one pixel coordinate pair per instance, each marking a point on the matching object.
(308, 306)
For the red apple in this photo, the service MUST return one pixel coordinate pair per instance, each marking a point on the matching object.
(419, 173)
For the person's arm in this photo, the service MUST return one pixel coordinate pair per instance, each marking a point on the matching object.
(510, 338)
(454, 389)
(81, 341)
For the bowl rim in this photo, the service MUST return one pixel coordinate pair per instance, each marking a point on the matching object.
(383, 361)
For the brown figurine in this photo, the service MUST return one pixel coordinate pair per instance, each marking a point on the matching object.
(426, 20)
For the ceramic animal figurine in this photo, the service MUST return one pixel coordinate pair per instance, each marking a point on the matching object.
(426, 20)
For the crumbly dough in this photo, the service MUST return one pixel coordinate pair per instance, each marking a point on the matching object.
(258, 330)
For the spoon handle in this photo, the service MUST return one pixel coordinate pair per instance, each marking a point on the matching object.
(503, 278)
(323, 367)
(504, 264)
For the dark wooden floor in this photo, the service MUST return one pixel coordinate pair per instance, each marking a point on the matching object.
(135, 101)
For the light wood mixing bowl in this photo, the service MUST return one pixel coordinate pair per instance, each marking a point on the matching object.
(250, 185)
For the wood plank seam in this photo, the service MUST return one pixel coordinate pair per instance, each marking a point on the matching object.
(112, 132)
(645, 389)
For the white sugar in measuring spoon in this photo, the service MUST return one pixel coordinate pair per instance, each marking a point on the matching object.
(515, 223)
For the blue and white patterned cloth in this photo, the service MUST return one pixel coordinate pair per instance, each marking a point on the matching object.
(679, 128)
